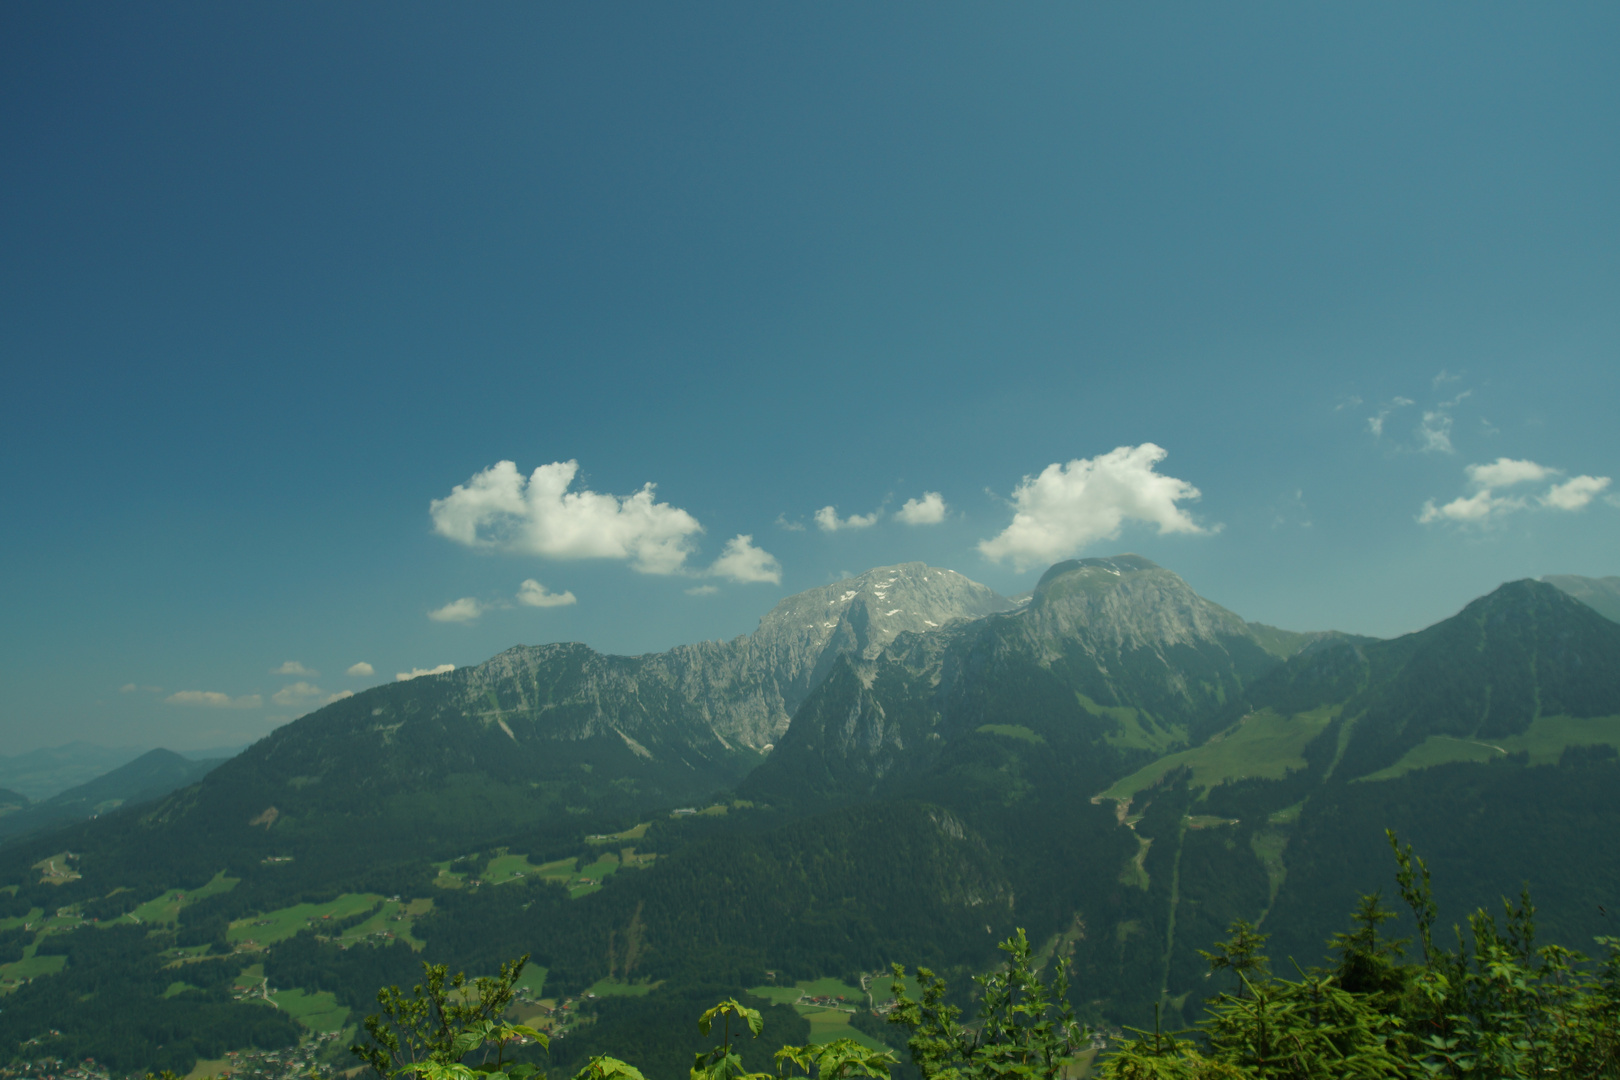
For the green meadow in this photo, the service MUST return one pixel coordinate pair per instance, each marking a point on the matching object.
(1546, 739)
(278, 925)
(1263, 745)
(317, 1012)
(166, 908)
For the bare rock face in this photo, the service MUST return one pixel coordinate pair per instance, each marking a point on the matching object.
(1119, 650)
(739, 694)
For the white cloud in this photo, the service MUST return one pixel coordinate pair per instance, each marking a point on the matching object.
(499, 509)
(1475, 509)
(828, 520)
(417, 673)
(1574, 493)
(360, 670)
(302, 695)
(928, 510)
(782, 522)
(1484, 506)
(534, 594)
(1434, 433)
(464, 610)
(1068, 506)
(130, 688)
(741, 561)
(213, 699)
(703, 590)
(1375, 424)
(1505, 472)
(293, 667)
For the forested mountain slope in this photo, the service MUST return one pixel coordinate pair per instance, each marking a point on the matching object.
(1120, 767)
(150, 776)
(1119, 652)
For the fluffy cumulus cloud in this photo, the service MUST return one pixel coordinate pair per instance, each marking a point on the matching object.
(742, 562)
(303, 695)
(1575, 493)
(417, 673)
(1067, 506)
(360, 670)
(827, 520)
(464, 610)
(501, 509)
(1505, 472)
(533, 594)
(213, 699)
(928, 510)
(1486, 503)
(293, 667)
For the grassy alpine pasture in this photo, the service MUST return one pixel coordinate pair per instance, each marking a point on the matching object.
(827, 1022)
(1011, 731)
(166, 908)
(317, 1012)
(1546, 739)
(1264, 745)
(274, 926)
(634, 833)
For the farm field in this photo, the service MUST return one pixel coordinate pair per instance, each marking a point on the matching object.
(278, 925)
(827, 1022)
(317, 1012)
(634, 833)
(166, 908)
(504, 868)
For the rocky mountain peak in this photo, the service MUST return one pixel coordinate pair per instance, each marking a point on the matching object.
(877, 607)
(1127, 602)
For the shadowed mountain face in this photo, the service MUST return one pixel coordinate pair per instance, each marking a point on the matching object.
(1526, 651)
(1120, 651)
(1602, 595)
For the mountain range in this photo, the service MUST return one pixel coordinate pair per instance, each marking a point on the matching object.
(901, 766)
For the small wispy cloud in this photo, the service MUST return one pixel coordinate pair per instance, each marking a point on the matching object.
(703, 590)
(782, 522)
(1486, 506)
(827, 519)
(130, 688)
(928, 510)
(417, 673)
(213, 699)
(1375, 423)
(293, 667)
(1575, 493)
(533, 594)
(744, 563)
(360, 670)
(458, 611)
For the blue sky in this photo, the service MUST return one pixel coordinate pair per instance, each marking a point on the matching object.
(275, 280)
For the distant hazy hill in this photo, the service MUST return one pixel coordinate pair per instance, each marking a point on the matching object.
(150, 776)
(1118, 765)
(1600, 594)
(39, 774)
(544, 740)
